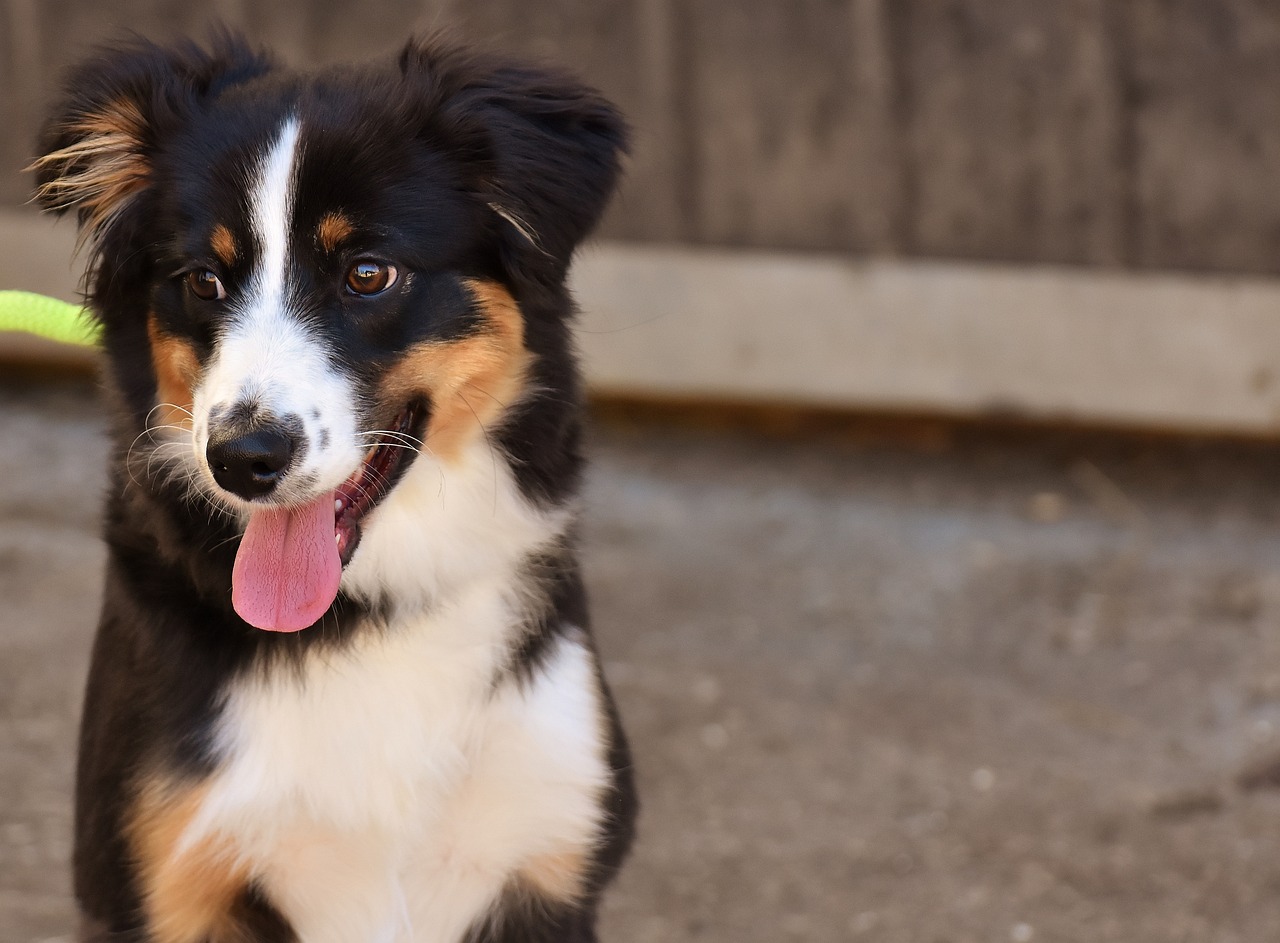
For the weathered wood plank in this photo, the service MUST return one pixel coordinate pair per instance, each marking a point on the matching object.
(1207, 136)
(795, 142)
(1013, 120)
(20, 78)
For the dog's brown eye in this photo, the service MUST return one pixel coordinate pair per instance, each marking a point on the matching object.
(205, 285)
(369, 278)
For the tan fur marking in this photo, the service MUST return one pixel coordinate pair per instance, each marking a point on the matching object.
(188, 893)
(560, 877)
(102, 168)
(333, 228)
(176, 369)
(224, 245)
(470, 382)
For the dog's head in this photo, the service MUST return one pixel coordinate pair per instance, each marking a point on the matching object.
(303, 278)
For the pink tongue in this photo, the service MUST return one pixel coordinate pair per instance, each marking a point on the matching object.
(287, 569)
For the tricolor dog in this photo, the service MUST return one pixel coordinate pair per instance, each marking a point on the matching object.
(343, 688)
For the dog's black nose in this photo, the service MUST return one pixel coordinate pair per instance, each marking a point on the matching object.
(250, 464)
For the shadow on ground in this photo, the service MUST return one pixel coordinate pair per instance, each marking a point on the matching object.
(990, 689)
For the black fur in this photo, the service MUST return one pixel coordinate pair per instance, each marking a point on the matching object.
(463, 166)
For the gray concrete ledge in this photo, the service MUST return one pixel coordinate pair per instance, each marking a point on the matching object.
(1166, 351)
(1200, 354)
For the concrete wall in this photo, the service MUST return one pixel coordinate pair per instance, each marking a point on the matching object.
(1138, 134)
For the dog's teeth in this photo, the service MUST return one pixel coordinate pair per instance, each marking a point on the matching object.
(337, 505)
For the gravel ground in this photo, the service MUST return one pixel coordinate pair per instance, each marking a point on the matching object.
(984, 687)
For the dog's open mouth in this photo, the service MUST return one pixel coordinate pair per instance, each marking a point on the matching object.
(290, 560)
(377, 474)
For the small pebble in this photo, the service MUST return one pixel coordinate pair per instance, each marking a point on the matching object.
(715, 737)
(1047, 507)
(864, 922)
(706, 689)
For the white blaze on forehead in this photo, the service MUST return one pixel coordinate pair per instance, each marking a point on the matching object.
(268, 355)
(272, 214)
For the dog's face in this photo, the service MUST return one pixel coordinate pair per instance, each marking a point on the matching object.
(309, 280)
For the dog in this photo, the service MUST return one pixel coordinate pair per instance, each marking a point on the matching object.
(343, 686)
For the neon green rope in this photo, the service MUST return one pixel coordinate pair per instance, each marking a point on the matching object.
(46, 317)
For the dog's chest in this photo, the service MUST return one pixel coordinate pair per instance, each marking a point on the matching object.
(391, 793)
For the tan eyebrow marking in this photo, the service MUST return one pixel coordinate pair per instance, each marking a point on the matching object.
(333, 228)
(224, 245)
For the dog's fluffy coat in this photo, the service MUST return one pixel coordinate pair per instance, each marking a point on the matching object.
(437, 758)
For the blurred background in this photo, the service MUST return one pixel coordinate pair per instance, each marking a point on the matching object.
(933, 529)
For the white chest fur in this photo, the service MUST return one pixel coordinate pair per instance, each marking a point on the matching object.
(389, 792)
(449, 525)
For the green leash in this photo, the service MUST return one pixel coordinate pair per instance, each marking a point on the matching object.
(47, 317)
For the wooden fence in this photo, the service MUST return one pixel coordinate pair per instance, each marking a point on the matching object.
(1121, 133)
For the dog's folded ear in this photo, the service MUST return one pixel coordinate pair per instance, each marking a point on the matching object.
(97, 148)
(549, 149)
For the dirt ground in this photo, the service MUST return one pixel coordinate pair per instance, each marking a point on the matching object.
(992, 688)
